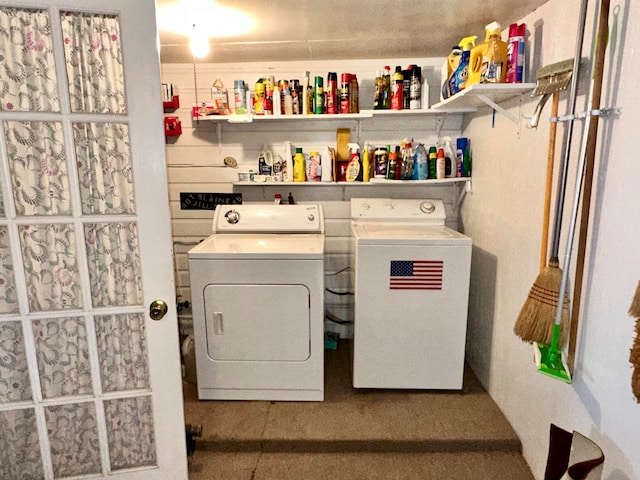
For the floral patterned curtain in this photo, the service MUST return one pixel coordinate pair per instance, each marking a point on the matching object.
(38, 168)
(104, 168)
(28, 82)
(94, 62)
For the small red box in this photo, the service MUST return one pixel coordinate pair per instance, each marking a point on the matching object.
(172, 104)
(172, 126)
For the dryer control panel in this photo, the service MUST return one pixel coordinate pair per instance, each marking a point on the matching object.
(268, 218)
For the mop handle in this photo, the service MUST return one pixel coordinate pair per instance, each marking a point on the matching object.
(588, 147)
(564, 162)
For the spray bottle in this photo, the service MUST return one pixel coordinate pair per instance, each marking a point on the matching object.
(354, 167)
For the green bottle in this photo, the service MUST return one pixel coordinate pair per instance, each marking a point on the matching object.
(433, 160)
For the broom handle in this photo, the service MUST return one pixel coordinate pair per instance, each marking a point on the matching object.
(549, 180)
(598, 74)
(588, 149)
(564, 165)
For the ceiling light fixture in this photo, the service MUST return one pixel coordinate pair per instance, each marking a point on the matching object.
(212, 20)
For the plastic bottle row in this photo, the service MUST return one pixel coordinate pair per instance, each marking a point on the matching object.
(399, 162)
(294, 97)
(493, 61)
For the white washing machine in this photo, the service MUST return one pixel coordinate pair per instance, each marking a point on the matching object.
(411, 295)
(257, 287)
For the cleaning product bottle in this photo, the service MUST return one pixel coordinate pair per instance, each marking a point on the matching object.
(452, 65)
(366, 163)
(354, 95)
(287, 167)
(422, 162)
(327, 165)
(265, 161)
(515, 53)
(406, 172)
(299, 167)
(314, 167)
(331, 93)
(463, 157)
(354, 167)
(458, 80)
(489, 60)
(318, 95)
(449, 158)
(433, 157)
(397, 85)
(306, 108)
(386, 87)
(415, 88)
(440, 164)
(345, 93)
(377, 91)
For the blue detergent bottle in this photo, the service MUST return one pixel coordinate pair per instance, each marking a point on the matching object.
(458, 80)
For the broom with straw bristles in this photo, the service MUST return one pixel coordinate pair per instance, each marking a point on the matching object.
(634, 357)
(536, 318)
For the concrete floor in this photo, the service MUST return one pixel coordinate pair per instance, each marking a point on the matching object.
(356, 434)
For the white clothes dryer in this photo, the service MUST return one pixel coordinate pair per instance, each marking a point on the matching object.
(257, 290)
(411, 295)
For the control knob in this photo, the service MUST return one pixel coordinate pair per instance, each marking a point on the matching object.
(427, 207)
(232, 217)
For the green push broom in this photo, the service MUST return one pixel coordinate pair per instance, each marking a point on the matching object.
(549, 357)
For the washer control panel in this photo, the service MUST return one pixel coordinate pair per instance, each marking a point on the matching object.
(427, 211)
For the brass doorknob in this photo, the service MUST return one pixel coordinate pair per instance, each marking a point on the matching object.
(158, 309)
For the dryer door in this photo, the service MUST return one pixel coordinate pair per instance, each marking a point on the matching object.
(257, 322)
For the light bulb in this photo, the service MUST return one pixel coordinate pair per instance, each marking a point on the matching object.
(199, 44)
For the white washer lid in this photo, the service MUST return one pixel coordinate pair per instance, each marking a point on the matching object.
(388, 233)
(260, 246)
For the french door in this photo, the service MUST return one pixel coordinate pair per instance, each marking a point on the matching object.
(90, 383)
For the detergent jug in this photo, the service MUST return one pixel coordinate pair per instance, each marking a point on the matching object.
(488, 61)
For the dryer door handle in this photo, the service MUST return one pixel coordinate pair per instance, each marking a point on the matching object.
(218, 324)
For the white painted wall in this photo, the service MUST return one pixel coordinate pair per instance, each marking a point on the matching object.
(503, 215)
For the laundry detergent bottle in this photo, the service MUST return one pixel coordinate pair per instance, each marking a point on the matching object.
(458, 80)
(488, 62)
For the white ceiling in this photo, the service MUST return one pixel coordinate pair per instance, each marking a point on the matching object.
(345, 29)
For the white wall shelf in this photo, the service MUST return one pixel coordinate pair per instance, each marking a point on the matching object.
(364, 114)
(374, 181)
(480, 95)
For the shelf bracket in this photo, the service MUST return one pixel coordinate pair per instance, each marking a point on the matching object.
(219, 133)
(461, 194)
(498, 108)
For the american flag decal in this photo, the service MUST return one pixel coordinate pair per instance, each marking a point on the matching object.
(416, 275)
